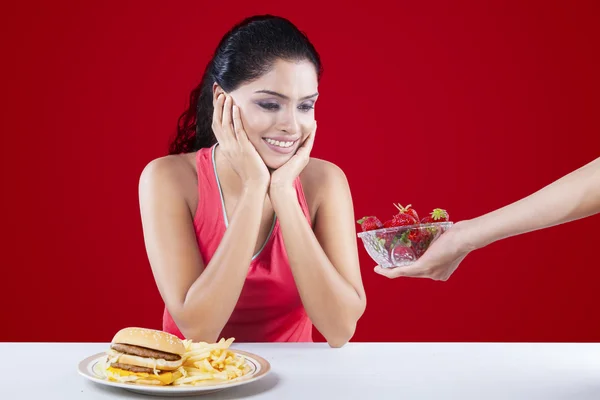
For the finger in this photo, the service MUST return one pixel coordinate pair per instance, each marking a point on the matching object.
(238, 126)
(218, 115)
(391, 273)
(240, 133)
(411, 271)
(218, 106)
(418, 269)
(307, 146)
(226, 122)
(311, 138)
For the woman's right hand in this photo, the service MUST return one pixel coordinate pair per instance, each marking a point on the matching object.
(235, 146)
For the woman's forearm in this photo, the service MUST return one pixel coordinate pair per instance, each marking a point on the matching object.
(574, 196)
(212, 297)
(331, 302)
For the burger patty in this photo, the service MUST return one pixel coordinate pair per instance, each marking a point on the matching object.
(144, 352)
(132, 368)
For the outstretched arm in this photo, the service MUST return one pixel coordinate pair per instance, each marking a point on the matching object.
(572, 197)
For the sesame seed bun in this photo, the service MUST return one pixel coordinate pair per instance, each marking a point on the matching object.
(151, 339)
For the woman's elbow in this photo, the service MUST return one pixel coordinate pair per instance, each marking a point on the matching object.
(347, 329)
(337, 343)
(197, 335)
(192, 330)
(201, 337)
(341, 336)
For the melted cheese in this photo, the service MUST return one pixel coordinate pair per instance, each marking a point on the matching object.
(165, 378)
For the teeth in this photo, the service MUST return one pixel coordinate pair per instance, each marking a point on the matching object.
(278, 143)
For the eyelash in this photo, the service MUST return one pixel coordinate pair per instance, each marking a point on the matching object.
(306, 107)
(275, 107)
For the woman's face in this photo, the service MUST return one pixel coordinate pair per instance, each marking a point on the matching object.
(277, 110)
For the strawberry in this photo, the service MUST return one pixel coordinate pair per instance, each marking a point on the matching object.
(401, 219)
(422, 242)
(386, 237)
(391, 238)
(406, 216)
(407, 210)
(402, 255)
(369, 223)
(416, 235)
(437, 215)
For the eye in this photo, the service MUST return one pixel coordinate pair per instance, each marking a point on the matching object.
(269, 106)
(306, 107)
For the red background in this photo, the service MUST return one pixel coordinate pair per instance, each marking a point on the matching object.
(466, 108)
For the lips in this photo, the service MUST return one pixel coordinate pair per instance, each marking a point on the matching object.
(283, 145)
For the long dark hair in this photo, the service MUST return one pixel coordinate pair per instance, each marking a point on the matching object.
(245, 53)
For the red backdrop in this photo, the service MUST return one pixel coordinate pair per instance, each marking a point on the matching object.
(464, 108)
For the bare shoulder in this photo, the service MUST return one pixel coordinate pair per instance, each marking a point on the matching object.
(320, 172)
(323, 179)
(172, 175)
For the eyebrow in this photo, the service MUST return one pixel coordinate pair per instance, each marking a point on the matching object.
(284, 96)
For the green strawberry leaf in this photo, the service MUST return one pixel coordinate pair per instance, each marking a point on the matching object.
(438, 213)
(404, 236)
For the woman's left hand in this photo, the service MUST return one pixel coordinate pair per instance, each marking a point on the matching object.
(283, 178)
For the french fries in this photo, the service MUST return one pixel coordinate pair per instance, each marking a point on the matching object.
(205, 363)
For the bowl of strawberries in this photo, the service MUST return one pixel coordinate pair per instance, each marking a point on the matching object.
(402, 240)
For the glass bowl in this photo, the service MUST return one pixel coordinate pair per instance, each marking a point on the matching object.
(402, 245)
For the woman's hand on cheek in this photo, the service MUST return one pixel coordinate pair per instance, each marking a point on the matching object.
(235, 145)
(283, 178)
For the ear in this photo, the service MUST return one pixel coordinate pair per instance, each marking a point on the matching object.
(216, 90)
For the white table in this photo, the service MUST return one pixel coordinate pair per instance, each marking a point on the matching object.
(356, 371)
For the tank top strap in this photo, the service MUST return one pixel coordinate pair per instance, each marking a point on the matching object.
(209, 197)
(302, 199)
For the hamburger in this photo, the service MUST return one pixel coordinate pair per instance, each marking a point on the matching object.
(145, 357)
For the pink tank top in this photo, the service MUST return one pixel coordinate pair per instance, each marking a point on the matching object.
(269, 308)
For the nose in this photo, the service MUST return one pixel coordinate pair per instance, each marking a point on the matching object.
(289, 122)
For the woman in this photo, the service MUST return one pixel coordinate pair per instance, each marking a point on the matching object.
(572, 197)
(247, 235)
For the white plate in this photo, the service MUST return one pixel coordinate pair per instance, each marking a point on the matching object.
(91, 368)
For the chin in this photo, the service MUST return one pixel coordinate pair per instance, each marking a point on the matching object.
(274, 163)
(274, 158)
